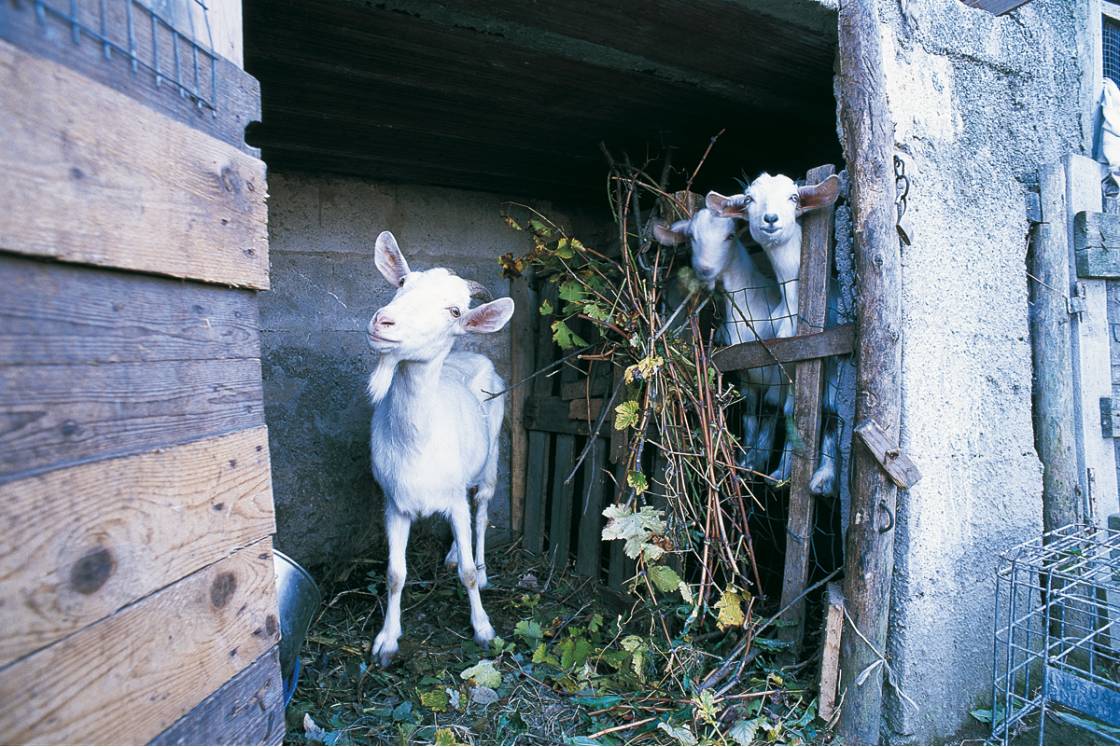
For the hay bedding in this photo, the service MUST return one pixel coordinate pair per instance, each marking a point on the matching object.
(570, 669)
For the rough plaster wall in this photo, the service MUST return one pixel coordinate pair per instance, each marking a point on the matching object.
(316, 362)
(979, 103)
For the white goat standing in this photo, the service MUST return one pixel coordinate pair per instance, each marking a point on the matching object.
(434, 435)
(750, 301)
(772, 207)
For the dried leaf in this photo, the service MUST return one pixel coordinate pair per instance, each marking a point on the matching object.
(730, 606)
(483, 673)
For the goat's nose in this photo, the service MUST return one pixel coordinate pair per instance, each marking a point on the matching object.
(770, 217)
(380, 319)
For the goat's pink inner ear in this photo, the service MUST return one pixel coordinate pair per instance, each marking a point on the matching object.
(820, 195)
(389, 260)
(489, 317)
(666, 236)
(724, 207)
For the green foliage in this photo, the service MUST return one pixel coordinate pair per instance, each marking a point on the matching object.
(626, 415)
(483, 673)
(636, 528)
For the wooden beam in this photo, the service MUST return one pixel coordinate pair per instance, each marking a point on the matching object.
(553, 415)
(1054, 405)
(585, 409)
(128, 678)
(522, 365)
(803, 347)
(816, 271)
(868, 138)
(830, 651)
(94, 177)
(52, 314)
(249, 709)
(591, 513)
(55, 415)
(78, 544)
(1096, 244)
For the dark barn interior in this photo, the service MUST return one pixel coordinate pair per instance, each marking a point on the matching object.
(516, 97)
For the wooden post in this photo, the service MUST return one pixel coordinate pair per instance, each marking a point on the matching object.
(869, 557)
(523, 346)
(1055, 412)
(816, 270)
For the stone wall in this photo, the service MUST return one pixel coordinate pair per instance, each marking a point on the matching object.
(979, 103)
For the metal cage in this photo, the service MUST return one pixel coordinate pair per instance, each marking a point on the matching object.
(1057, 653)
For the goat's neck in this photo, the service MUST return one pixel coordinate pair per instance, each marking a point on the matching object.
(408, 390)
(785, 258)
(740, 273)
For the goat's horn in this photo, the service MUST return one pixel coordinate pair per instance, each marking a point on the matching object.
(478, 291)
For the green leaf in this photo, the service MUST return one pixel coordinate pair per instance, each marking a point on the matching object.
(403, 712)
(546, 308)
(638, 481)
(530, 631)
(626, 415)
(565, 337)
(635, 528)
(706, 708)
(679, 733)
(435, 699)
(596, 623)
(445, 736)
(483, 673)
(540, 228)
(983, 715)
(664, 578)
(541, 656)
(597, 312)
(572, 291)
(744, 732)
(574, 652)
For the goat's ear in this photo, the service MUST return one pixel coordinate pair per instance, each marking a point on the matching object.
(489, 317)
(671, 235)
(726, 207)
(819, 195)
(389, 260)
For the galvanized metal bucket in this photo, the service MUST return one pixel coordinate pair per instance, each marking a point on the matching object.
(299, 599)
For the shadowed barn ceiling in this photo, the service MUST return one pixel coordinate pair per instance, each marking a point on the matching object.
(516, 96)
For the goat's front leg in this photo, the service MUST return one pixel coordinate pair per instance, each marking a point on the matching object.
(823, 482)
(461, 527)
(785, 466)
(397, 527)
(481, 522)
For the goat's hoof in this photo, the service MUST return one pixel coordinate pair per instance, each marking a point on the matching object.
(480, 578)
(451, 560)
(484, 634)
(823, 483)
(383, 650)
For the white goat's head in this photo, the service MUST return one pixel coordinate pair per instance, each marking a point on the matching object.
(713, 242)
(430, 309)
(772, 204)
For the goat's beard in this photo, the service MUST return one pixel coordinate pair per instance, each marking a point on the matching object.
(381, 377)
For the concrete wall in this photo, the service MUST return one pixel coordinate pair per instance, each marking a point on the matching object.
(316, 362)
(979, 103)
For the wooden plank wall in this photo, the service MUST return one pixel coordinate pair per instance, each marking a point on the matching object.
(136, 513)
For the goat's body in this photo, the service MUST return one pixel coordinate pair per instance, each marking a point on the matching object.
(429, 450)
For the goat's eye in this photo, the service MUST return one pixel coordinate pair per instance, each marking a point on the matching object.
(403, 279)
(795, 198)
(455, 311)
(730, 236)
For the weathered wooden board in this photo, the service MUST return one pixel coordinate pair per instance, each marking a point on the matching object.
(830, 651)
(585, 409)
(61, 414)
(536, 488)
(237, 94)
(1096, 244)
(560, 520)
(80, 543)
(899, 468)
(816, 270)
(94, 177)
(126, 679)
(803, 347)
(52, 313)
(553, 415)
(591, 516)
(523, 346)
(249, 709)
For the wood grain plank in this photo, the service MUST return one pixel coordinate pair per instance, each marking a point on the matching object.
(1096, 244)
(94, 177)
(591, 515)
(52, 313)
(830, 651)
(237, 95)
(816, 270)
(808, 346)
(56, 415)
(249, 709)
(996, 7)
(78, 544)
(553, 415)
(560, 520)
(536, 485)
(899, 468)
(522, 364)
(128, 678)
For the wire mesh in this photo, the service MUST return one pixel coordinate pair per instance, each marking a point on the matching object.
(1056, 654)
(169, 40)
(1110, 47)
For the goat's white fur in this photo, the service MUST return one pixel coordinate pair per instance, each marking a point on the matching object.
(751, 311)
(435, 427)
(772, 207)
